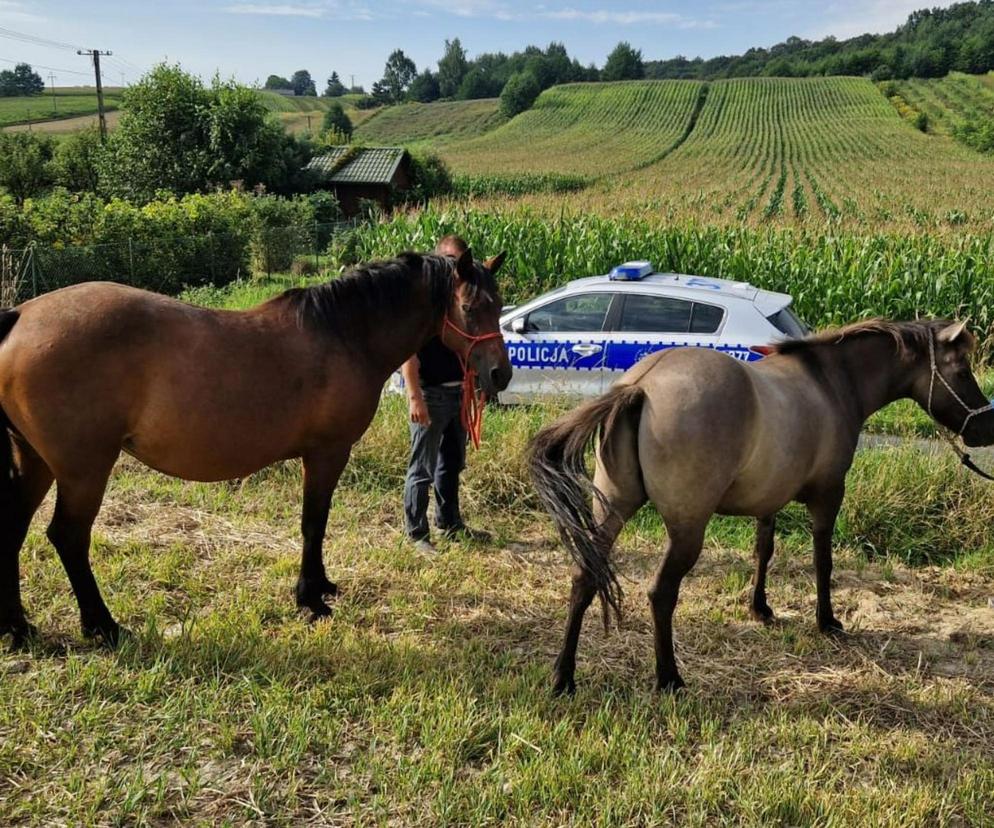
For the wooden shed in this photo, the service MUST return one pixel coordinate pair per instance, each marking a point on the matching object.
(356, 173)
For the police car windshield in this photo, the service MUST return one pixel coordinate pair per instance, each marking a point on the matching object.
(785, 321)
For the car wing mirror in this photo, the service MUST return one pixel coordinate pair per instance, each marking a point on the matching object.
(519, 325)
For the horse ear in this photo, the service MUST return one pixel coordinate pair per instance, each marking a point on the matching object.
(493, 265)
(951, 333)
(464, 267)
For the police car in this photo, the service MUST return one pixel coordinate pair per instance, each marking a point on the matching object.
(577, 339)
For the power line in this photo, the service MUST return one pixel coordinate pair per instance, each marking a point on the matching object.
(35, 40)
(49, 68)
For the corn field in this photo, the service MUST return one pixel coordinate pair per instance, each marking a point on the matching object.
(591, 129)
(834, 278)
(785, 151)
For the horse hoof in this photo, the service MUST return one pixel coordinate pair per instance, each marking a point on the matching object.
(832, 626)
(108, 634)
(763, 614)
(564, 686)
(318, 610)
(329, 588)
(670, 685)
(20, 632)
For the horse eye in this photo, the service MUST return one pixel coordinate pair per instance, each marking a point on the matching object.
(467, 308)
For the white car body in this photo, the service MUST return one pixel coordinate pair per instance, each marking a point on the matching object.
(577, 339)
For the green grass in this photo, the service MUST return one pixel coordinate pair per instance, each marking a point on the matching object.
(69, 103)
(416, 122)
(949, 100)
(424, 700)
(588, 129)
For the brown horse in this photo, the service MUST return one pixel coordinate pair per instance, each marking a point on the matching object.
(699, 433)
(91, 370)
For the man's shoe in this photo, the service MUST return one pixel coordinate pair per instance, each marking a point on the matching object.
(425, 546)
(459, 533)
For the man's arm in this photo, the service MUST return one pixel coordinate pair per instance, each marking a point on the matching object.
(416, 399)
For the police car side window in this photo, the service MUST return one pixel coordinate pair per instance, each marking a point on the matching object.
(706, 318)
(585, 312)
(655, 314)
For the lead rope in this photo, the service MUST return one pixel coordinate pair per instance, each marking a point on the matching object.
(473, 400)
(946, 434)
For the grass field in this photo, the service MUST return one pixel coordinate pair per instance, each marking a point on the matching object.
(68, 102)
(304, 114)
(412, 123)
(769, 150)
(425, 698)
(584, 128)
(947, 101)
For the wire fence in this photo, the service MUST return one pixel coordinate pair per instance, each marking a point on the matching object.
(166, 264)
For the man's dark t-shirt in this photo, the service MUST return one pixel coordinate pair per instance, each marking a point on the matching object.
(439, 365)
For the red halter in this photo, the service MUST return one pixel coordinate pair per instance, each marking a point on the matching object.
(473, 400)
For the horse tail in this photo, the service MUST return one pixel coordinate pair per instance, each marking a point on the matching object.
(8, 317)
(557, 460)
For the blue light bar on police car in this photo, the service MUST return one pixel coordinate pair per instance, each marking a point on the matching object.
(630, 271)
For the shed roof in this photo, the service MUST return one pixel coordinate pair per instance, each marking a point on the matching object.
(365, 165)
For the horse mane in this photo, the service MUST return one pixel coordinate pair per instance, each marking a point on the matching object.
(907, 336)
(348, 307)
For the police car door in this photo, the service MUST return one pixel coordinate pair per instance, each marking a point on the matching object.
(561, 348)
(647, 323)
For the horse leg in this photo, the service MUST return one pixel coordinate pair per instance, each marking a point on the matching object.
(76, 505)
(622, 487)
(321, 473)
(824, 511)
(682, 551)
(765, 528)
(29, 481)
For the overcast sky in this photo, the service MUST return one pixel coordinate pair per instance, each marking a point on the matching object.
(252, 39)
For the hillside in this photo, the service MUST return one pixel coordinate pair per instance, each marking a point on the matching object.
(304, 113)
(950, 100)
(68, 102)
(588, 129)
(760, 150)
(414, 122)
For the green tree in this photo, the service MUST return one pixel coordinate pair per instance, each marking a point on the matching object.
(23, 80)
(475, 85)
(178, 135)
(624, 63)
(398, 74)
(302, 84)
(337, 121)
(452, 68)
(277, 82)
(335, 88)
(424, 88)
(24, 159)
(74, 163)
(519, 94)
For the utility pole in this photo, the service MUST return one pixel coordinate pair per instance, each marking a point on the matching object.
(122, 80)
(95, 54)
(55, 100)
(353, 83)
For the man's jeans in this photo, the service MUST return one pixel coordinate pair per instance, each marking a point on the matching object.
(438, 454)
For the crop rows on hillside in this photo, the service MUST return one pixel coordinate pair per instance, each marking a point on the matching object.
(798, 150)
(947, 101)
(585, 129)
(414, 122)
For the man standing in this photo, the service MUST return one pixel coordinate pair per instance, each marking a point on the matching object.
(433, 378)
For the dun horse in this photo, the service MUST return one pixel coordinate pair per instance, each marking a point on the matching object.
(698, 434)
(91, 370)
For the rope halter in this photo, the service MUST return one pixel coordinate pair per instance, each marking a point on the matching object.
(473, 399)
(945, 433)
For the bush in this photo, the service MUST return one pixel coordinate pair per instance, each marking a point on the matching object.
(75, 161)
(430, 177)
(335, 120)
(24, 158)
(281, 228)
(303, 267)
(519, 94)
